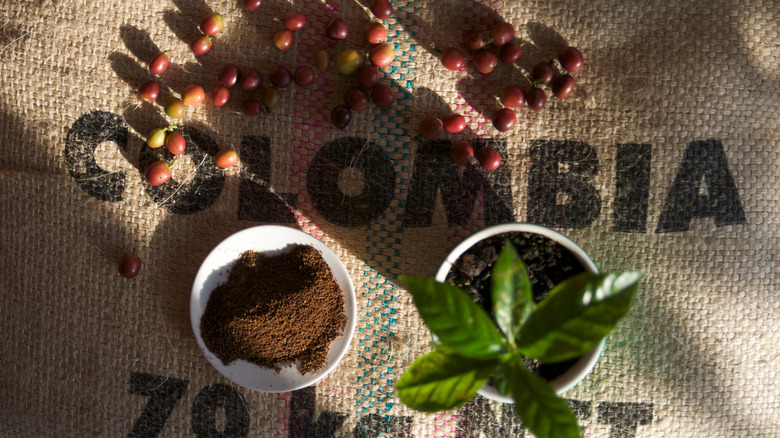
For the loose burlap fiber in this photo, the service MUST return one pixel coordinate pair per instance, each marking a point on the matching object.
(665, 158)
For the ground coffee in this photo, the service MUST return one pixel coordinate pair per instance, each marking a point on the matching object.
(276, 311)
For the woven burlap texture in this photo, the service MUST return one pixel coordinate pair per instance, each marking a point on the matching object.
(85, 351)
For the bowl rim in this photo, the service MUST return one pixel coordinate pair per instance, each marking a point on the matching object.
(225, 254)
(587, 362)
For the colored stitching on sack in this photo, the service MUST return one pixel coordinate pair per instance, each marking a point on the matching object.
(376, 320)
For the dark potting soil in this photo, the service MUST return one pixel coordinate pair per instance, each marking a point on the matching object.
(276, 311)
(548, 263)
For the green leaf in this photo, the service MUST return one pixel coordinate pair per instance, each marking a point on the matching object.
(513, 300)
(459, 323)
(576, 315)
(500, 380)
(545, 414)
(442, 380)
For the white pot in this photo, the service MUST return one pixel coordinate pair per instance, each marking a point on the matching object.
(586, 363)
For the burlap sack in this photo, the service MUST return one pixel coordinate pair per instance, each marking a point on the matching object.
(664, 158)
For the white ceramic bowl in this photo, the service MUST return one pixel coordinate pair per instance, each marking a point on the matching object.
(581, 368)
(214, 271)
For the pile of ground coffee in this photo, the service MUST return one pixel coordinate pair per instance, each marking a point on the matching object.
(276, 311)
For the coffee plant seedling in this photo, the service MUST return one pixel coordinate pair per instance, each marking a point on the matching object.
(471, 346)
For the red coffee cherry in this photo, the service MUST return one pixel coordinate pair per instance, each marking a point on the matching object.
(562, 86)
(488, 158)
(382, 9)
(504, 119)
(462, 152)
(149, 90)
(341, 116)
(130, 265)
(454, 123)
(571, 59)
(212, 24)
(293, 20)
(226, 158)
(431, 127)
(159, 63)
